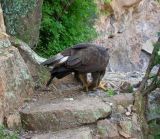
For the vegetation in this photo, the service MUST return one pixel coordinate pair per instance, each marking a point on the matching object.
(106, 8)
(153, 78)
(64, 23)
(107, 1)
(110, 92)
(5, 134)
(157, 136)
(130, 89)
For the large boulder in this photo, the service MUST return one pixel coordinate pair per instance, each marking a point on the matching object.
(15, 81)
(23, 18)
(39, 73)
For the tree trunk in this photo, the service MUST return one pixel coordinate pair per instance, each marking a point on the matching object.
(140, 105)
(141, 96)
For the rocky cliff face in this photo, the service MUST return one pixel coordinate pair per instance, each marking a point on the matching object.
(22, 19)
(131, 27)
(15, 79)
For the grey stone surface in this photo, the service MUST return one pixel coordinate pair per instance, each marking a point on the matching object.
(79, 133)
(121, 99)
(133, 28)
(107, 129)
(15, 80)
(64, 114)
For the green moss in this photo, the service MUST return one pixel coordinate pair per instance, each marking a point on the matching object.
(130, 89)
(16, 15)
(6, 134)
(102, 130)
(97, 114)
(158, 1)
(10, 95)
(4, 43)
(85, 136)
(43, 75)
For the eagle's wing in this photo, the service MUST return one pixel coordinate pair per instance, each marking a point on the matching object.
(70, 52)
(89, 59)
(83, 45)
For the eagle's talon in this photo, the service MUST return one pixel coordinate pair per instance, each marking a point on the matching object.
(102, 85)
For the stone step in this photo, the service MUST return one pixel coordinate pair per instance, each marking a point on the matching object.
(64, 114)
(79, 133)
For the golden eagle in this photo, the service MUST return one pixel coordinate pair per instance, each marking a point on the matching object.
(80, 59)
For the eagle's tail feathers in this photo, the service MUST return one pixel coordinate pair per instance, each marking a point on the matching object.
(52, 60)
(63, 59)
(56, 60)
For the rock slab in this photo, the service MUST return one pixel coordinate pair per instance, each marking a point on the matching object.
(15, 81)
(80, 133)
(107, 129)
(64, 114)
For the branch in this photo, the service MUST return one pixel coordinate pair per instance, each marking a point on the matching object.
(148, 71)
(152, 86)
(149, 89)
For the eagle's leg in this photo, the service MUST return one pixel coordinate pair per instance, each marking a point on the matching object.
(102, 84)
(94, 84)
(49, 82)
(76, 76)
(83, 78)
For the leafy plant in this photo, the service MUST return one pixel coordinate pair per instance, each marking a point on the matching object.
(158, 1)
(157, 136)
(64, 23)
(5, 134)
(110, 92)
(130, 89)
